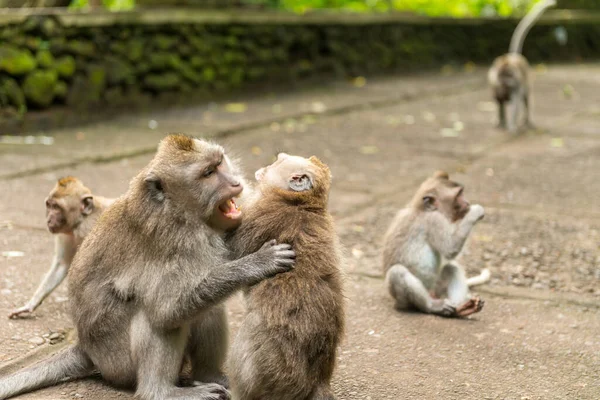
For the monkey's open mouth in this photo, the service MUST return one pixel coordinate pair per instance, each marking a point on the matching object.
(230, 209)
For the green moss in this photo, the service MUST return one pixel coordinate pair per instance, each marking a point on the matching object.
(44, 59)
(16, 61)
(188, 73)
(97, 79)
(209, 74)
(162, 61)
(11, 94)
(65, 66)
(163, 42)
(197, 62)
(81, 48)
(60, 90)
(39, 87)
(135, 49)
(162, 82)
(119, 71)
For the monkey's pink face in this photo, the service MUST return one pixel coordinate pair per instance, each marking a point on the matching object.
(55, 216)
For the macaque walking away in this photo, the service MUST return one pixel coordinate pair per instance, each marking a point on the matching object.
(421, 244)
(509, 74)
(286, 346)
(71, 212)
(147, 284)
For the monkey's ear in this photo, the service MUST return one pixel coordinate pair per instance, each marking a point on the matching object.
(87, 204)
(441, 175)
(155, 187)
(429, 202)
(300, 182)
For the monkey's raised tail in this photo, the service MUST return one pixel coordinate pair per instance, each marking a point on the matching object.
(480, 279)
(518, 37)
(70, 363)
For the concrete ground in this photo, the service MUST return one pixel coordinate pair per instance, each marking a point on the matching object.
(538, 336)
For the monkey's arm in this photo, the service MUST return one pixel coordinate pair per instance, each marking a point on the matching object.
(220, 281)
(65, 248)
(450, 240)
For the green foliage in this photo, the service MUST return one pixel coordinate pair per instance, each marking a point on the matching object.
(113, 5)
(454, 8)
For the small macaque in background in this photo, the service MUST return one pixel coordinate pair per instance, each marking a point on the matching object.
(286, 346)
(420, 247)
(71, 212)
(509, 74)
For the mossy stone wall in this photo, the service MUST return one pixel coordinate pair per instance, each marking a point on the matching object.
(45, 63)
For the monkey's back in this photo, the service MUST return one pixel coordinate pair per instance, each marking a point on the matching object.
(286, 346)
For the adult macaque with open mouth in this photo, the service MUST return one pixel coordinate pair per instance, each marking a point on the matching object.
(286, 346)
(147, 285)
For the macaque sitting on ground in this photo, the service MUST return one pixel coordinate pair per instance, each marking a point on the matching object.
(420, 247)
(71, 212)
(286, 346)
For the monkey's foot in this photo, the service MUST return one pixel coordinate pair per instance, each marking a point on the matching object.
(206, 391)
(220, 379)
(472, 306)
(446, 309)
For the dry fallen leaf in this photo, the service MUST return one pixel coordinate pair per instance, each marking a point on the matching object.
(557, 142)
(356, 253)
(318, 107)
(358, 228)
(236, 107)
(369, 149)
(487, 106)
(13, 253)
(256, 150)
(359, 81)
(449, 132)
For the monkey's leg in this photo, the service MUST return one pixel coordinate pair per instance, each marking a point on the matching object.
(458, 291)
(159, 354)
(501, 114)
(515, 105)
(207, 347)
(528, 122)
(408, 290)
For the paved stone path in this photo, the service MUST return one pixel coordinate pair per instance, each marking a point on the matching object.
(538, 336)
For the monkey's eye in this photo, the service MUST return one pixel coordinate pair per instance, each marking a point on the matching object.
(208, 172)
(47, 204)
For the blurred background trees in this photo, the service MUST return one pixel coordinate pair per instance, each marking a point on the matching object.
(450, 8)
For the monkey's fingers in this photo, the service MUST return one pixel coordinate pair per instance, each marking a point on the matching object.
(269, 243)
(20, 312)
(283, 246)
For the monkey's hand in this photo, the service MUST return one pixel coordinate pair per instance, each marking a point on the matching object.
(476, 213)
(273, 258)
(21, 312)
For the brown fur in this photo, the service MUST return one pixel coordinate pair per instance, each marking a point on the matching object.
(295, 320)
(147, 285)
